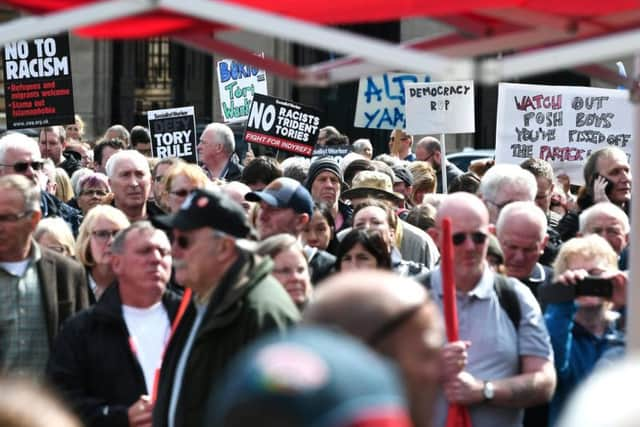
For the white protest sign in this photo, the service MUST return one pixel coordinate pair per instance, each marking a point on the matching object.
(561, 124)
(173, 133)
(237, 83)
(381, 100)
(440, 107)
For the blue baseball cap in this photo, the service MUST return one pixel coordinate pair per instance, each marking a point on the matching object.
(308, 377)
(284, 193)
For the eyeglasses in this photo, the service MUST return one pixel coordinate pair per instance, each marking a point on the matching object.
(478, 238)
(104, 234)
(15, 217)
(21, 167)
(180, 193)
(99, 193)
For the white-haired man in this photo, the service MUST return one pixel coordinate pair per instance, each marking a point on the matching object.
(216, 151)
(130, 180)
(522, 233)
(504, 184)
(610, 222)
(20, 155)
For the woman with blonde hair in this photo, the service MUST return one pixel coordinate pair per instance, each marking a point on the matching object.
(582, 329)
(53, 233)
(180, 180)
(64, 190)
(97, 231)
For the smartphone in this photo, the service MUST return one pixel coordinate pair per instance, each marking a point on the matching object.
(590, 286)
(594, 286)
(608, 189)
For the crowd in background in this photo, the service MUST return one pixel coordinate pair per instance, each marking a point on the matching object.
(146, 291)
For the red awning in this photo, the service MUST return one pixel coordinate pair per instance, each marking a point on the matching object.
(484, 28)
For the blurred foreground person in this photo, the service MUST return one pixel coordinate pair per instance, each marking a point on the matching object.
(395, 317)
(235, 300)
(39, 288)
(607, 398)
(25, 404)
(310, 377)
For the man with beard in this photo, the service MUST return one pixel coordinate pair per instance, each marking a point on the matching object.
(325, 182)
(428, 150)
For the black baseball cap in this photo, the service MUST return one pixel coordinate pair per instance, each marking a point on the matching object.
(208, 208)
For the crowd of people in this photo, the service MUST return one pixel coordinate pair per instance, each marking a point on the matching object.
(144, 291)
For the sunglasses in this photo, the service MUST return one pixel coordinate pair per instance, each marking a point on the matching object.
(478, 237)
(180, 193)
(104, 234)
(22, 167)
(182, 241)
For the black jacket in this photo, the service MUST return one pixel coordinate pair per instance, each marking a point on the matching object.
(93, 366)
(71, 163)
(233, 170)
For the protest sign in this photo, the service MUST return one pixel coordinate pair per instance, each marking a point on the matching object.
(381, 100)
(38, 88)
(440, 107)
(335, 151)
(283, 125)
(173, 133)
(237, 83)
(561, 124)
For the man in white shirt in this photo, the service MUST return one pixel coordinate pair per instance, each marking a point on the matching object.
(105, 359)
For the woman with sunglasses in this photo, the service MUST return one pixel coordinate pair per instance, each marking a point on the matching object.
(97, 231)
(180, 180)
(92, 190)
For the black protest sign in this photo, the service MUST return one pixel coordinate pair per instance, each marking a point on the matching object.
(173, 133)
(38, 89)
(283, 125)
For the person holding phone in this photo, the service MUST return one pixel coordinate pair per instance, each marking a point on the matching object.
(583, 329)
(607, 177)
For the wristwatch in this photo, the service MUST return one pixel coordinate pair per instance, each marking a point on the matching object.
(488, 391)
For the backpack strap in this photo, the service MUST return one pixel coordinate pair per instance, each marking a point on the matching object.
(508, 299)
(505, 291)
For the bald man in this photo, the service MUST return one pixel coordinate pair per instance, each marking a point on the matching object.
(394, 316)
(506, 363)
(522, 232)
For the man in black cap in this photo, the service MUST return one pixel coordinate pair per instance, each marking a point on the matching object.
(235, 300)
(325, 182)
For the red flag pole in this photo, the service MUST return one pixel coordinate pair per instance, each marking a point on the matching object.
(458, 415)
